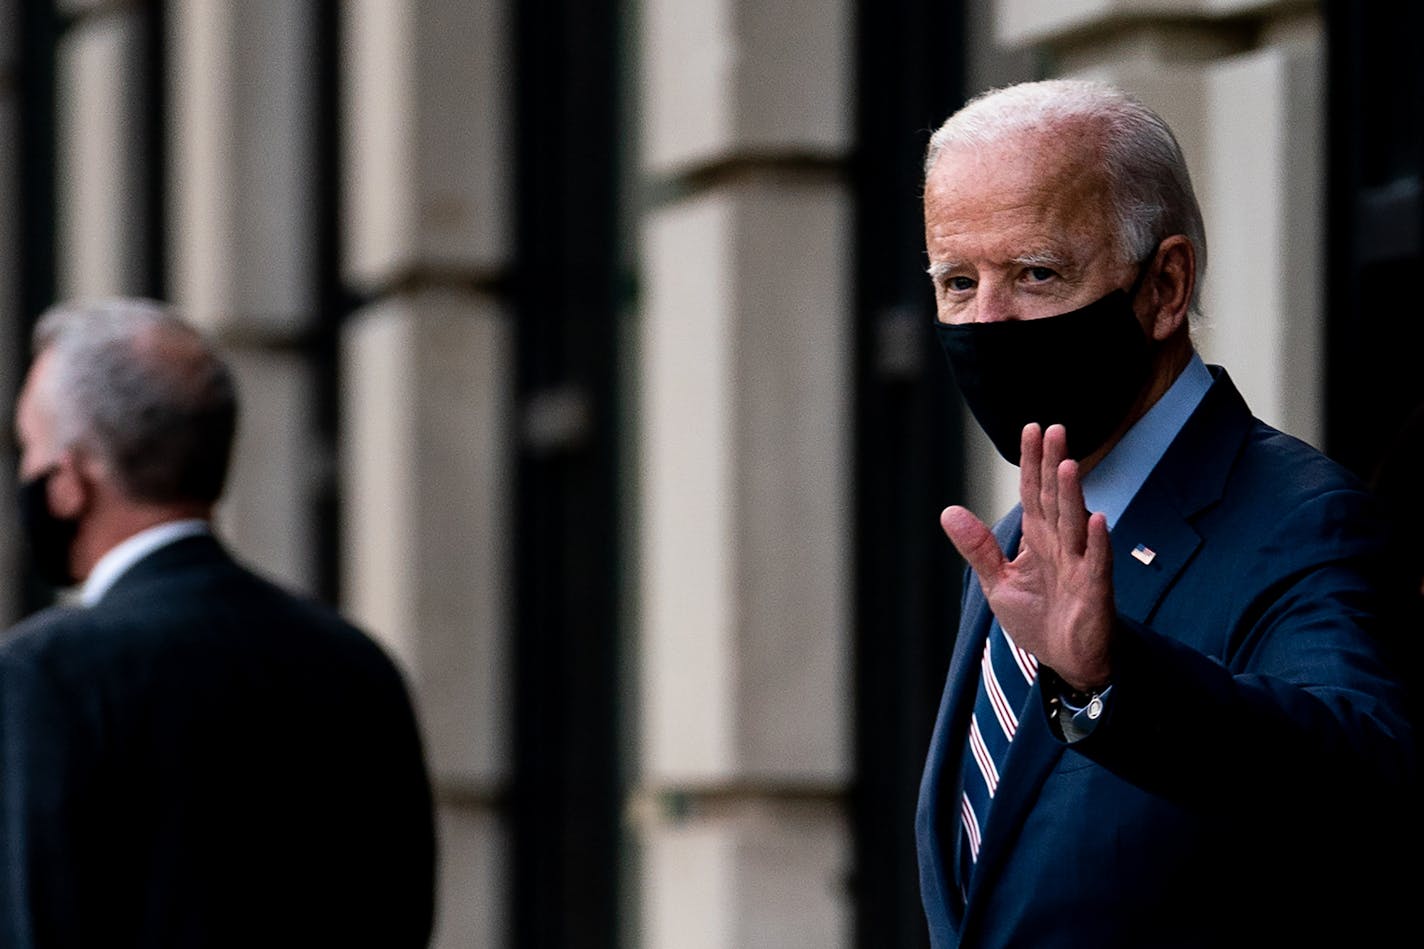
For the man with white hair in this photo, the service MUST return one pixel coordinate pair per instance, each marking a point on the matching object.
(1175, 713)
(189, 755)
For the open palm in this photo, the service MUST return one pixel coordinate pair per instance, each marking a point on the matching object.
(1054, 597)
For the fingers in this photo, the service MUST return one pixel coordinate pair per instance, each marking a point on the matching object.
(1098, 551)
(1030, 462)
(1072, 514)
(1051, 490)
(975, 543)
(1055, 450)
(1041, 455)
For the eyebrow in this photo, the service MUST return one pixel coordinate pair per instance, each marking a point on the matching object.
(1045, 258)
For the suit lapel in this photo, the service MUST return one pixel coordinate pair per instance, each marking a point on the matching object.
(964, 663)
(973, 629)
(963, 682)
(1033, 754)
(1151, 543)
(941, 778)
(1190, 477)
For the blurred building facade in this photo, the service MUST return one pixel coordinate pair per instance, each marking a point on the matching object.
(585, 359)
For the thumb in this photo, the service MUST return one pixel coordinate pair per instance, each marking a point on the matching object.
(975, 543)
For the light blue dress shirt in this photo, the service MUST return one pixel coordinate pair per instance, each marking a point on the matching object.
(1114, 481)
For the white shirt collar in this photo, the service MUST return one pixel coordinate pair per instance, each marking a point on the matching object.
(120, 558)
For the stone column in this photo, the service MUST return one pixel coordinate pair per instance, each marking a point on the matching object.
(103, 160)
(428, 382)
(744, 455)
(242, 252)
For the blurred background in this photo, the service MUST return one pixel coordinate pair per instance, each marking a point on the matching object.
(585, 354)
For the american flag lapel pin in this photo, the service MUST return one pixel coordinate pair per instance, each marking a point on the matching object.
(1143, 553)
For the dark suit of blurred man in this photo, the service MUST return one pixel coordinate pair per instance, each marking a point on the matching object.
(189, 755)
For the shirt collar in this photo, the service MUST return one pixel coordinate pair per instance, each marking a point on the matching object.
(120, 558)
(1115, 480)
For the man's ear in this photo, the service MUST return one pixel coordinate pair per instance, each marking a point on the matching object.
(71, 486)
(1169, 287)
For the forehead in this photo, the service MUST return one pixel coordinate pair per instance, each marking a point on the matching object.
(1027, 195)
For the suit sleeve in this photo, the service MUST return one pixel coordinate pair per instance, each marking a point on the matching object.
(1305, 706)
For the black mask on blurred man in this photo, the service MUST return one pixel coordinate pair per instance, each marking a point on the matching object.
(49, 537)
(1082, 369)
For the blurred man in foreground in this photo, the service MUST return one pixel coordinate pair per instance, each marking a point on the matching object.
(189, 755)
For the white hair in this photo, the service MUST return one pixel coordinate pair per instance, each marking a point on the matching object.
(1146, 173)
(143, 390)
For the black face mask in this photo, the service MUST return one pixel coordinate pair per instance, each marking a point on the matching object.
(1082, 369)
(49, 537)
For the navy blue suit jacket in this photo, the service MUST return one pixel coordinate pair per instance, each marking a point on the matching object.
(1257, 752)
(202, 759)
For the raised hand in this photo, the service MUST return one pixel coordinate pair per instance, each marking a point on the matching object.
(1055, 596)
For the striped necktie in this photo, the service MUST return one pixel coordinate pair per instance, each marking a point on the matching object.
(1006, 673)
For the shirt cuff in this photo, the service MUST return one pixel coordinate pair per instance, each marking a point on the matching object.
(1075, 715)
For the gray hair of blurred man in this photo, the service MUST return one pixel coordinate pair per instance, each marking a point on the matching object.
(145, 392)
(1147, 177)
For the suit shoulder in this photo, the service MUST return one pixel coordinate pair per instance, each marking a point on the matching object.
(1297, 499)
(45, 631)
(321, 621)
(1294, 468)
(61, 646)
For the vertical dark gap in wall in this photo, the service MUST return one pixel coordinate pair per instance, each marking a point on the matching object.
(1375, 227)
(153, 151)
(38, 28)
(332, 301)
(567, 793)
(908, 453)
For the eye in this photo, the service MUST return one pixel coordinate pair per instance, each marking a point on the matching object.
(959, 284)
(1040, 274)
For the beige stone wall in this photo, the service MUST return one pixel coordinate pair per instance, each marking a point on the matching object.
(425, 476)
(101, 129)
(241, 248)
(743, 471)
(426, 451)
